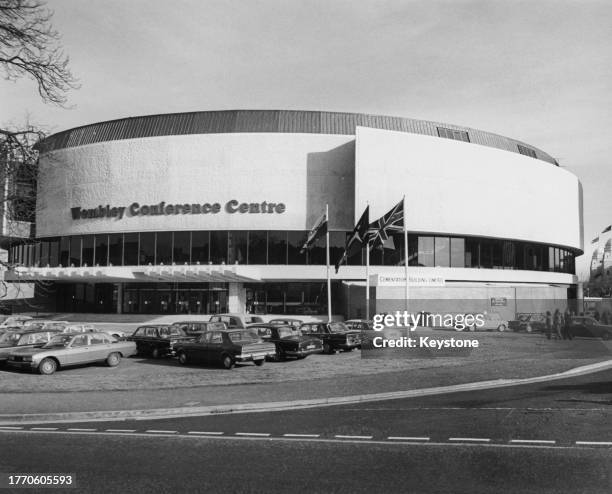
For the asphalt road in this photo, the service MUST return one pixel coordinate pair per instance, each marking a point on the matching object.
(554, 437)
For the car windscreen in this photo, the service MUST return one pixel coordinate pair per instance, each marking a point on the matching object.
(287, 332)
(10, 338)
(337, 327)
(59, 340)
(243, 337)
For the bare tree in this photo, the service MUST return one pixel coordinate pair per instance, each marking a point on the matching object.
(29, 46)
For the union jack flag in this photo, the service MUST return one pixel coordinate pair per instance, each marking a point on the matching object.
(357, 240)
(390, 223)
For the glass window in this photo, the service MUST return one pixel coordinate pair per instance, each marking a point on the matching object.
(486, 253)
(53, 252)
(44, 253)
(75, 251)
(526, 151)
(257, 247)
(101, 251)
(237, 247)
(88, 250)
(509, 248)
(64, 256)
(115, 249)
(295, 241)
(277, 247)
(426, 251)
(130, 249)
(413, 250)
(181, 247)
(163, 248)
(146, 254)
(457, 252)
(497, 253)
(317, 254)
(218, 247)
(336, 246)
(200, 244)
(393, 251)
(458, 135)
(442, 252)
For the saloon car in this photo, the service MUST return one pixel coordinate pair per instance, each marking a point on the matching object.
(288, 340)
(334, 335)
(12, 321)
(287, 322)
(359, 324)
(157, 340)
(529, 323)
(67, 349)
(24, 338)
(194, 328)
(226, 347)
(233, 321)
(589, 327)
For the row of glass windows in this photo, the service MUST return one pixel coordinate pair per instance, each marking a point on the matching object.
(283, 247)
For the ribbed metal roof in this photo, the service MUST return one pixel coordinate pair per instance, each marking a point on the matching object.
(276, 121)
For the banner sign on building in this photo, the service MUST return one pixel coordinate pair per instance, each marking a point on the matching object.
(413, 280)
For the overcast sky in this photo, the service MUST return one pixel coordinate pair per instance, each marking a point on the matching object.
(538, 71)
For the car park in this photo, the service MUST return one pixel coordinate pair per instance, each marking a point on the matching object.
(236, 321)
(334, 335)
(226, 347)
(287, 322)
(157, 340)
(589, 327)
(193, 328)
(288, 340)
(24, 338)
(66, 349)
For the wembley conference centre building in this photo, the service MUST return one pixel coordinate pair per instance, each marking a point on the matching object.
(205, 212)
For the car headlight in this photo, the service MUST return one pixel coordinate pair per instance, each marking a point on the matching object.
(27, 359)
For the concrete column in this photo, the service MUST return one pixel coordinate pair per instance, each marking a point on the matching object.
(237, 298)
(119, 298)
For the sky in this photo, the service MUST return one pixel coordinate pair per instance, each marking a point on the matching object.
(538, 71)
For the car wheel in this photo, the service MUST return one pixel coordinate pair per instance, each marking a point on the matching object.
(348, 349)
(280, 355)
(156, 353)
(228, 362)
(458, 329)
(259, 363)
(141, 351)
(113, 359)
(327, 348)
(182, 358)
(47, 366)
(501, 328)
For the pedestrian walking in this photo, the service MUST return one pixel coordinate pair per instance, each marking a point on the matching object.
(557, 323)
(548, 325)
(567, 320)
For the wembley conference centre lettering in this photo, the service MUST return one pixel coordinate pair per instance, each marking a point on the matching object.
(135, 209)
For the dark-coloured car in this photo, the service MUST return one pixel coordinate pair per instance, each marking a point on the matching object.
(589, 327)
(288, 340)
(226, 348)
(67, 349)
(195, 328)
(287, 322)
(334, 335)
(22, 339)
(529, 323)
(157, 340)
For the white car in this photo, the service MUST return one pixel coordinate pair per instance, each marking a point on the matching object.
(492, 322)
(14, 321)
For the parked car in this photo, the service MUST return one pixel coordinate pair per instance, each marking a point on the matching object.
(12, 321)
(47, 324)
(334, 335)
(359, 324)
(24, 338)
(226, 347)
(288, 340)
(194, 328)
(589, 327)
(529, 323)
(67, 349)
(234, 321)
(157, 340)
(287, 322)
(492, 321)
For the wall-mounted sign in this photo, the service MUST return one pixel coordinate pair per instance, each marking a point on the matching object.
(162, 209)
(499, 302)
(413, 280)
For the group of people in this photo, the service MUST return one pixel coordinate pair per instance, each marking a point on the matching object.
(558, 325)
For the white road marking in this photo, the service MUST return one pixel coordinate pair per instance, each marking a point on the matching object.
(301, 435)
(120, 430)
(82, 430)
(254, 434)
(340, 436)
(470, 439)
(206, 433)
(403, 438)
(161, 432)
(43, 428)
(594, 443)
(11, 428)
(531, 441)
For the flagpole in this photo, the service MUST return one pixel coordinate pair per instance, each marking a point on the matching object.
(329, 303)
(405, 250)
(368, 281)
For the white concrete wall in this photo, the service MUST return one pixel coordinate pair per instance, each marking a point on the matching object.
(302, 171)
(453, 187)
